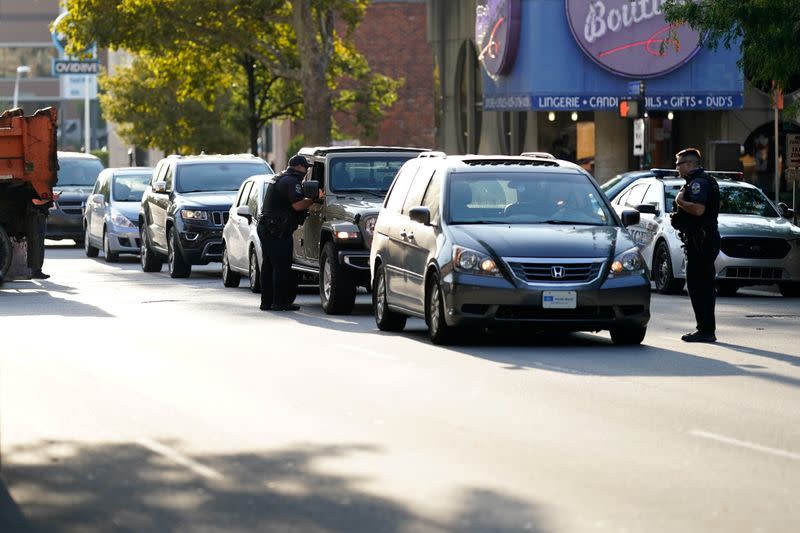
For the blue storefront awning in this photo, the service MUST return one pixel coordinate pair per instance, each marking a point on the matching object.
(553, 69)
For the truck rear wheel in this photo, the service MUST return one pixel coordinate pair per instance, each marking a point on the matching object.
(5, 254)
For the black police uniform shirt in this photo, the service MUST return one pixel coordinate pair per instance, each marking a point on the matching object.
(288, 190)
(698, 191)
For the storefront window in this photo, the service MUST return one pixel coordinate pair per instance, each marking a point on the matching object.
(469, 99)
(758, 158)
(512, 131)
(39, 59)
(569, 136)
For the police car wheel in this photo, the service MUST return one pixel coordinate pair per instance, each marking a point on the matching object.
(662, 272)
(385, 318)
(337, 289)
(229, 277)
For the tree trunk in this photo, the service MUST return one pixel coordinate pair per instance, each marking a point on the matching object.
(252, 118)
(315, 58)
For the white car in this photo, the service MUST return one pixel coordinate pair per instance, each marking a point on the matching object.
(241, 255)
(110, 218)
(759, 245)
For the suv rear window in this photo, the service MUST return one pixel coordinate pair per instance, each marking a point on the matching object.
(525, 198)
(209, 177)
(358, 174)
(78, 172)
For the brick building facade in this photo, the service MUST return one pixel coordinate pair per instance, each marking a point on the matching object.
(393, 38)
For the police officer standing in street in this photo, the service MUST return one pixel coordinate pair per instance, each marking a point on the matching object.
(698, 209)
(284, 210)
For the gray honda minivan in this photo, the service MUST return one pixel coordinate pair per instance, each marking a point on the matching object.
(474, 241)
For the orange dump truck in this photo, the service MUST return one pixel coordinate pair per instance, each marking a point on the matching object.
(28, 166)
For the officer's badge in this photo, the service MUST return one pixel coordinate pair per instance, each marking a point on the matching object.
(298, 188)
(695, 188)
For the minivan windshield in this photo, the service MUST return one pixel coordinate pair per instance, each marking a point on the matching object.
(222, 176)
(130, 187)
(525, 198)
(78, 172)
(366, 174)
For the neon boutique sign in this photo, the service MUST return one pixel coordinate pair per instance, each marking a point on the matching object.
(497, 25)
(630, 37)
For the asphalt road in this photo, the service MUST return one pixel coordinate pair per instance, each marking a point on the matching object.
(133, 402)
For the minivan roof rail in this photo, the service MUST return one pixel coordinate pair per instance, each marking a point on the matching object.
(509, 160)
(546, 155)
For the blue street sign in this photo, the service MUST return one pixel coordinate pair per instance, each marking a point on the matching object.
(636, 88)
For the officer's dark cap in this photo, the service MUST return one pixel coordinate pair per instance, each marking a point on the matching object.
(298, 160)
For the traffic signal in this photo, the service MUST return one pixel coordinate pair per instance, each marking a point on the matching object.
(630, 108)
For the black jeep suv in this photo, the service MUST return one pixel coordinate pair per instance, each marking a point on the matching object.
(333, 243)
(185, 207)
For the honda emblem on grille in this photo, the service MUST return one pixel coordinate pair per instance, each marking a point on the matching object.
(557, 272)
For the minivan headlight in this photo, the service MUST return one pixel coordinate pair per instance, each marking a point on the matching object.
(473, 262)
(193, 214)
(626, 263)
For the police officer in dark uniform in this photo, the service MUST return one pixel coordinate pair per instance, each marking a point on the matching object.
(284, 209)
(698, 207)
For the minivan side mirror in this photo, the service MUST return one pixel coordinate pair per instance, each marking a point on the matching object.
(311, 189)
(630, 217)
(648, 209)
(244, 211)
(785, 211)
(97, 199)
(420, 214)
(160, 187)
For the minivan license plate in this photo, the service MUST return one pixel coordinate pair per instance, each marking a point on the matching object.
(559, 299)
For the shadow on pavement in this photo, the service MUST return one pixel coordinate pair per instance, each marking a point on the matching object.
(127, 487)
(40, 302)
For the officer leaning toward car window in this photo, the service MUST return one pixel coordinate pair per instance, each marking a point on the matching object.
(698, 202)
(284, 209)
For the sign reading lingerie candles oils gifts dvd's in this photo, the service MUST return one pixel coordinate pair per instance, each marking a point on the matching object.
(497, 26)
(630, 37)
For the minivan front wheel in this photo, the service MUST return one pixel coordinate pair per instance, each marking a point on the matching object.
(385, 318)
(438, 330)
(628, 335)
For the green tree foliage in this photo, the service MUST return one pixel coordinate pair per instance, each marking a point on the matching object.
(765, 30)
(288, 55)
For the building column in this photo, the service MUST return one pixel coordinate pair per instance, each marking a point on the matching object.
(612, 145)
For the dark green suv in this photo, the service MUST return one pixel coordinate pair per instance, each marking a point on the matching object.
(333, 243)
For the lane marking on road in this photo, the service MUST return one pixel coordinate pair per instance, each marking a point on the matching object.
(364, 351)
(179, 458)
(334, 320)
(546, 366)
(745, 444)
